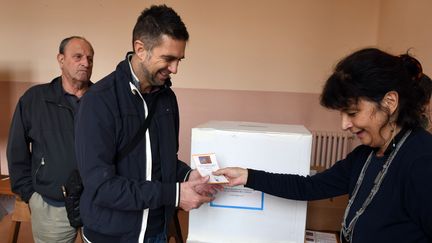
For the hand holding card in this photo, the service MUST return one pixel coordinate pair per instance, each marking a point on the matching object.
(206, 164)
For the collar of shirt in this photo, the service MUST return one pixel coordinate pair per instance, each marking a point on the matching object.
(135, 79)
(71, 99)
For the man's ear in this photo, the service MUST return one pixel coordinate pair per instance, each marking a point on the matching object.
(140, 50)
(60, 59)
(391, 101)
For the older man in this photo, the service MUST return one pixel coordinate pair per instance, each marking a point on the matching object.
(40, 149)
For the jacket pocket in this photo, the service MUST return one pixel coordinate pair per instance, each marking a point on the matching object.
(116, 223)
(39, 172)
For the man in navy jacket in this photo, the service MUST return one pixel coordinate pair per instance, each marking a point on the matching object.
(132, 199)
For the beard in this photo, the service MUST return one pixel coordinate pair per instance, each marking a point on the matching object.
(151, 78)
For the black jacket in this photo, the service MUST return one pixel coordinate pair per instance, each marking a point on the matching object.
(40, 149)
(116, 193)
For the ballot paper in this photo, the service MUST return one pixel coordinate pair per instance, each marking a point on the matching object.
(206, 164)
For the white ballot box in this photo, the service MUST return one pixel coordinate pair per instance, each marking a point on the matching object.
(241, 214)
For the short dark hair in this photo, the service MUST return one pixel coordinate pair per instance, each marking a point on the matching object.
(369, 74)
(65, 41)
(157, 21)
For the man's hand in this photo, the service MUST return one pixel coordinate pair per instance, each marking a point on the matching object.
(189, 198)
(235, 175)
(204, 189)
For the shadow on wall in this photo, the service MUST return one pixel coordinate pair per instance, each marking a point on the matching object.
(13, 83)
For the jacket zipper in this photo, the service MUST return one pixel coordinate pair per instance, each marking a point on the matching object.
(41, 164)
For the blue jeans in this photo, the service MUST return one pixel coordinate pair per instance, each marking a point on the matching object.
(160, 238)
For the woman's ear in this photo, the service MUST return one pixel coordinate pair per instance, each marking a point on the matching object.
(391, 101)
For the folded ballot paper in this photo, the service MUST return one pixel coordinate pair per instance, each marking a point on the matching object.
(206, 164)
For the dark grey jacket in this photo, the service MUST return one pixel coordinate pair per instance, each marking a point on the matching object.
(40, 148)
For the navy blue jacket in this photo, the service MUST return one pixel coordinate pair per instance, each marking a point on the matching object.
(401, 211)
(40, 148)
(116, 192)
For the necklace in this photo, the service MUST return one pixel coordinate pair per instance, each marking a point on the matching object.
(347, 230)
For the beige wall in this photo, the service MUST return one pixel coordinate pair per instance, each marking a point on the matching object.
(407, 25)
(274, 45)
(253, 60)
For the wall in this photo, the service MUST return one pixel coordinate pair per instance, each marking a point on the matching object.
(246, 60)
(272, 45)
(405, 26)
(263, 55)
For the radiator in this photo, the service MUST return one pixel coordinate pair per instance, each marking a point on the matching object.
(329, 147)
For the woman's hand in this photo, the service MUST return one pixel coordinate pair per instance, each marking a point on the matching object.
(235, 175)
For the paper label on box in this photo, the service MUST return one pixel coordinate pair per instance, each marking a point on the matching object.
(239, 197)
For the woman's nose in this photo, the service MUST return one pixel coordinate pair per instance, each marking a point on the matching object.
(346, 122)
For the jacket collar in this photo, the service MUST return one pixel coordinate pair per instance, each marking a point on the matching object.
(55, 92)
